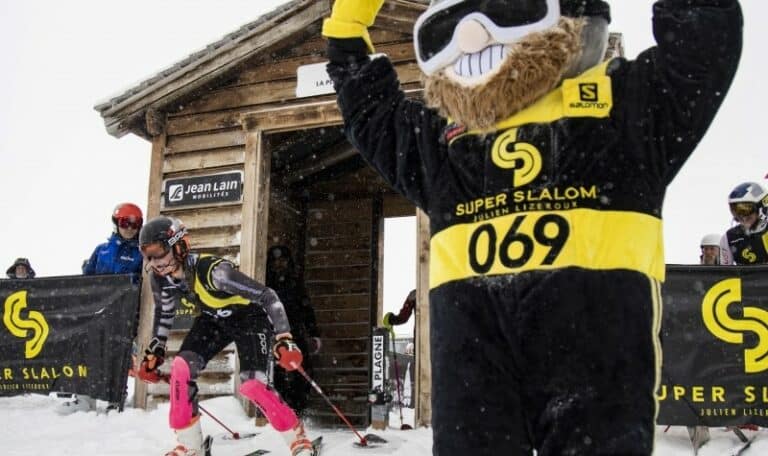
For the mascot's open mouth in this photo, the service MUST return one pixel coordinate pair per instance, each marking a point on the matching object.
(479, 64)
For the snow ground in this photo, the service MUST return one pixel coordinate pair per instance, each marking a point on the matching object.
(29, 426)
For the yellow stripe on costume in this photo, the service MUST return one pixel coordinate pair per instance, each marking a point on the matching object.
(530, 241)
(588, 95)
(208, 299)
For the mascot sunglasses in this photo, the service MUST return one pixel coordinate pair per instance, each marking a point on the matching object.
(435, 36)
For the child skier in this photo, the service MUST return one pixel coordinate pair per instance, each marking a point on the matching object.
(230, 304)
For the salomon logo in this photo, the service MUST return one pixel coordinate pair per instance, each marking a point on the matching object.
(588, 92)
(714, 311)
(21, 328)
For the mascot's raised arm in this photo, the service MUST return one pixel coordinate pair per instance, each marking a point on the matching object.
(543, 170)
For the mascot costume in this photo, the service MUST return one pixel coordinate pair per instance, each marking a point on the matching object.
(543, 170)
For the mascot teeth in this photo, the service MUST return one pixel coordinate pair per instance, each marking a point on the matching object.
(479, 63)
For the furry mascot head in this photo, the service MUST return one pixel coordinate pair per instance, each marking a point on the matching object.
(485, 61)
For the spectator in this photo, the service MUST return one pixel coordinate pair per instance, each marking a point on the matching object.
(390, 319)
(229, 301)
(710, 256)
(403, 315)
(120, 254)
(743, 244)
(710, 250)
(20, 269)
(282, 277)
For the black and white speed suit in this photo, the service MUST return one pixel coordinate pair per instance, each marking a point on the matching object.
(232, 308)
(546, 252)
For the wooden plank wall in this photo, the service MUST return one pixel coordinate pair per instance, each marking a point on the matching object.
(338, 279)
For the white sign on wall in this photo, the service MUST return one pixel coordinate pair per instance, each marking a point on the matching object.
(313, 79)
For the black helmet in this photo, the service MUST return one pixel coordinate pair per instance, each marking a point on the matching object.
(162, 234)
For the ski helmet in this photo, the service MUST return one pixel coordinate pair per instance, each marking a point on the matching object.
(162, 234)
(127, 214)
(710, 240)
(746, 198)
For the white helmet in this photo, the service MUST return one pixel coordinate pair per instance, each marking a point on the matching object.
(710, 240)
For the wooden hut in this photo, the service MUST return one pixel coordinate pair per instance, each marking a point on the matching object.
(247, 149)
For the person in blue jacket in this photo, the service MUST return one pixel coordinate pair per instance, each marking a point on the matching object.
(120, 254)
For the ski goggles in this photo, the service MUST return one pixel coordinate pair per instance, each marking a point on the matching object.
(154, 251)
(129, 222)
(434, 32)
(743, 209)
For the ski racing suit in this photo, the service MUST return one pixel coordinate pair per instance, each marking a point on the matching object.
(546, 251)
(746, 247)
(234, 308)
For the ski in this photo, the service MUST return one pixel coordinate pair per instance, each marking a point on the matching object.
(317, 445)
(237, 436)
(207, 444)
(371, 441)
(739, 449)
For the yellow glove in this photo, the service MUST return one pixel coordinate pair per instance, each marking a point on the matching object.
(351, 19)
(385, 320)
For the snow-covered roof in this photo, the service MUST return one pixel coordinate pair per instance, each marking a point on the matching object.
(124, 112)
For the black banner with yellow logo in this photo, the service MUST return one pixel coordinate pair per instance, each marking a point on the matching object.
(715, 344)
(70, 334)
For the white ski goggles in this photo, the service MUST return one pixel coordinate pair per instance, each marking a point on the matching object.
(434, 32)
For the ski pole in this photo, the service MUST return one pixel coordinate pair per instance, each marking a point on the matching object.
(397, 381)
(235, 435)
(317, 388)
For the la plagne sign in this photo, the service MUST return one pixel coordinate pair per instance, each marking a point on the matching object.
(313, 79)
(199, 190)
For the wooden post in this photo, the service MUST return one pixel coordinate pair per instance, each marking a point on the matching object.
(254, 227)
(423, 383)
(146, 308)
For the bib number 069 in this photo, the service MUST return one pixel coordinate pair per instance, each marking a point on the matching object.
(549, 231)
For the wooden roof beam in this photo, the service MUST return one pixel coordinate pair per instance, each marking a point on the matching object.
(312, 166)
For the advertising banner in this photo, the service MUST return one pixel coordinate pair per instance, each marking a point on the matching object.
(715, 344)
(203, 190)
(70, 334)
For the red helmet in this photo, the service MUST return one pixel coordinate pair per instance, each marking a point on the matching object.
(127, 213)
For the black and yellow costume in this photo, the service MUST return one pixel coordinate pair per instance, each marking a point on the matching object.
(546, 248)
